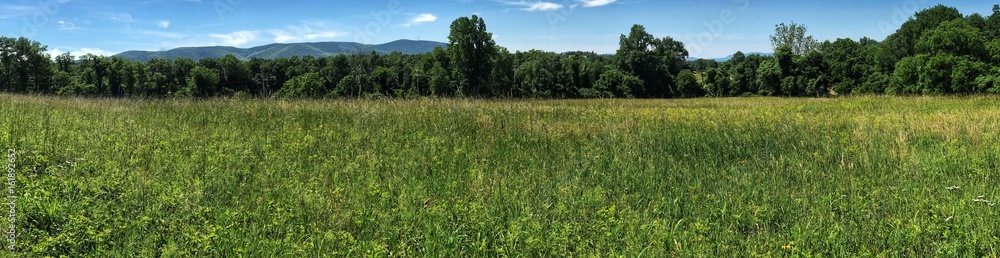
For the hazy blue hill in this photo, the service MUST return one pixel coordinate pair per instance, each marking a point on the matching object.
(408, 46)
(274, 51)
(724, 59)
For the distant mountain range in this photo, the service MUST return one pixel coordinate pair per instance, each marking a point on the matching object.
(723, 59)
(275, 51)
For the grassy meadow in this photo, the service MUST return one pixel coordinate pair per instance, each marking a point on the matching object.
(742, 177)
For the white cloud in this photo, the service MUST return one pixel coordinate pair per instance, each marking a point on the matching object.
(236, 38)
(322, 35)
(281, 36)
(77, 53)
(596, 3)
(54, 52)
(307, 32)
(421, 19)
(123, 17)
(65, 25)
(543, 6)
(536, 6)
(95, 51)
(9, 11)
(164, 24)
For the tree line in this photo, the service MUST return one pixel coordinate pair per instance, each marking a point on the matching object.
(938, 51)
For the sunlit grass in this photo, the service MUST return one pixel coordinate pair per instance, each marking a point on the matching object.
(865, 176)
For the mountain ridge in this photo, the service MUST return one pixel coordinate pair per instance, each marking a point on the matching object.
(285, 50)
(727, 58)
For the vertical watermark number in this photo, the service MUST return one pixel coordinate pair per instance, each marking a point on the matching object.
(11, 199)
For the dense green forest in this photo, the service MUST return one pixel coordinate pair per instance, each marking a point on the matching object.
(938, 51)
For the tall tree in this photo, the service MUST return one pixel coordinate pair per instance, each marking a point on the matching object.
(793, 36)
(991, 28)
(503, 73)
(234, 74)
(24, 65)
(95, 71)
(769, 77)
(472, 50)
(202, 82)
(954, 37)
(654, 61)
(903, 42)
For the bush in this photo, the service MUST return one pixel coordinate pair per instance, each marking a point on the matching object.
(309, 85)
(201, 82)
(618, 83)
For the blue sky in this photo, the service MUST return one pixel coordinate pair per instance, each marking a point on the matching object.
(711, 28)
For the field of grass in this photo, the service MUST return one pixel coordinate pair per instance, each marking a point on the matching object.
(867, 176)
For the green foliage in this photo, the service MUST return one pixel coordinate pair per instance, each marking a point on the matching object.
(615, 83)
(937, 74)
(716, 83)
(903, 43)
(201, 82)
(310, 85)
(991, 28)
(24, 66)
(234, 74)
(906, 78)
(939, 51)
(537, 74)
(954, 37)
(472, 50)
(793, 37)
(688, 85)
(348, 86)
(964, 74)
(440, 82)
(285, 51)
(989, 82)
(495, 178)
(503, 74)
(853, 66)
(874, 83)
(769, 78)
(702, 65)
(655, 61)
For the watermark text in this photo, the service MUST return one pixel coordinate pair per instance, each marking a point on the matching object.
(11, 199)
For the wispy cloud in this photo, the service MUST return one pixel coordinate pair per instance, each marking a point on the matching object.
(596, 3)
(162, 34)
(543, 6)
(237, 38)
(77, 53)
(122, 17)
(9, 11)
(164, 24)
(536, 6)
(305, 32)
(282, 36)
(421, 19)
(17, 8)
(66, 25)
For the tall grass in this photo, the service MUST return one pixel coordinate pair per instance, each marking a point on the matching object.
(864, 176)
